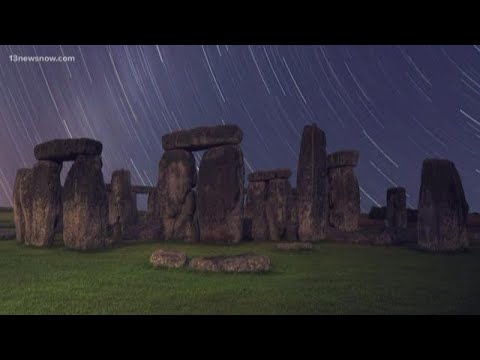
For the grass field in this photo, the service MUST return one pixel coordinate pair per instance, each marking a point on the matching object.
(332, 279)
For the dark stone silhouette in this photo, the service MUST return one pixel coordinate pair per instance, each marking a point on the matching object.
(67, 149)
(173, 201)
(122, 206)
(343, 158)
(255, 210)
(442, 208)
(138, 189)
(21, 190)
(43, 203)
(85, 205)
(276, 208)
(292, 225)
(312, 185)
(220, 194)
(344, 194)
(396, 208)
(202, 138)
(270, 175)
(378, 213)
(412, 215)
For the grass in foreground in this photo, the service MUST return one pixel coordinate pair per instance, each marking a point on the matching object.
(332, 279)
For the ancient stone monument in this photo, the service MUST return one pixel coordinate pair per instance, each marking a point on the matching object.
(80, 208)
(173, 201)
(122, 205)
(38, 203)
(21, 190)
(442, 208)
(312, 185)
(220, 194)
(344, 194)
(85, 206)
(269, 204)
(396, 216)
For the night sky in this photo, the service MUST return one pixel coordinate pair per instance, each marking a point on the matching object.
(397, 105)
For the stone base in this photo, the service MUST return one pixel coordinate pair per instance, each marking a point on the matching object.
(237, 263)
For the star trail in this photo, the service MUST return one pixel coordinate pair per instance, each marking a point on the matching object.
(395, 104)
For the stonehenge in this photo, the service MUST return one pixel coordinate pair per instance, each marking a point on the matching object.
(85, 205)
(122, 205)
(209, 202)
(268, 204)
(396, 216)
(442, 208)
(79, 209)
(175, 198)
(312, 185)
(220, 194)
(344, 192)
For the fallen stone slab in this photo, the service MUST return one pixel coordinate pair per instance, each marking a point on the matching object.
(237, 263)
(168, 258)
(269, 175)
(203, 138)
(67, 149)
(294, 246)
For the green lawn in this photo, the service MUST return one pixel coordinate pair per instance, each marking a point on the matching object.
(332, 279)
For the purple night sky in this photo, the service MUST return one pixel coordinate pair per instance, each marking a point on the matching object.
(397, 105)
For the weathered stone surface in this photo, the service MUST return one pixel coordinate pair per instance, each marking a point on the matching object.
(173, 201)
(276, 208)
(343, 158)
(42, 203)
(292, 225)
(21, 190)
(168, 258)
(344, 198)
(312, 185)
(378, 213)
(85, 205)
(255, 210)
(396, 208)
(237, 263)
(67, 149)
(294, 246)
(220, 194)
(269, 175)
(122, 206)
(202, 138)
(442, 208)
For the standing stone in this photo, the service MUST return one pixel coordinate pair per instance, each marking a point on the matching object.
(255, 209)
(220, 194)
(21, 190)
(43, 203)
(173, 202)
(292, 225)
(276, 208)
(122, 205)
(396, 208)
(312, 185)
(344, 195)
(442, 208)
(85, 205)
